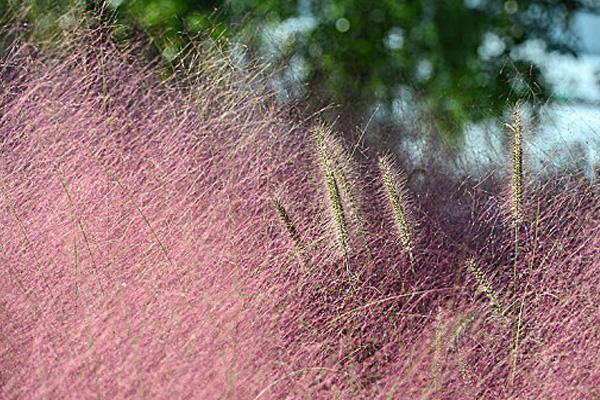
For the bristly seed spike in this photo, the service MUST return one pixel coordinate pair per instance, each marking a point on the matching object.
(333, 192)
(517, 166)
(398, 207)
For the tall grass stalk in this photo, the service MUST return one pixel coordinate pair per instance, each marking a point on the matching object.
(516, 129)
(516, 195)
(519, 322)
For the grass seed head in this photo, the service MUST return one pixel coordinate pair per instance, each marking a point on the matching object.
(517, 167)
(287, 222)
(485, 286)
(397, 204)
(333, 191)
(461, 329)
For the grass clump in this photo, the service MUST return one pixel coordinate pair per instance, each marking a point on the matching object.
(182, 277)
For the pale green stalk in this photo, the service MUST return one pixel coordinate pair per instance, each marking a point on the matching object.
(524, 296)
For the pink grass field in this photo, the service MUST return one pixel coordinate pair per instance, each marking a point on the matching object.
(142, 256)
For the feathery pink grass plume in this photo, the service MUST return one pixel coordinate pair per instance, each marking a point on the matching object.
(143, 254)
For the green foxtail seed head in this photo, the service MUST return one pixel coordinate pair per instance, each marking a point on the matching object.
(333, 192)
(461, 329)
(288, 223)
(517, 167)
(484, 285)
(398, 208)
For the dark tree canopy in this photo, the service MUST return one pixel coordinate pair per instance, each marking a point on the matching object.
(453, 56)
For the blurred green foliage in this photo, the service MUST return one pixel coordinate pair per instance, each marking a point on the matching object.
(450, 55)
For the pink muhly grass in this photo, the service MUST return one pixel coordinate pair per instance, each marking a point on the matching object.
(150, 233)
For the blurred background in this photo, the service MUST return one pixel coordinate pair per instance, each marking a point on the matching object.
(422, 78)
